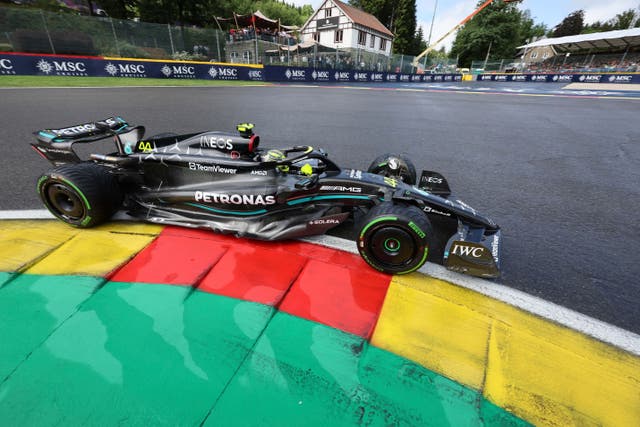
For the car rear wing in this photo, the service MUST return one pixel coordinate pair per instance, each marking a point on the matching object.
(85, 132)
(56, 145)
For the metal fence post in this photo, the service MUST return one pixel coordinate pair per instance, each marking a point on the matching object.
(218, 47)
(255, 35)
(173, 51)
(115, 37)
(44, 21)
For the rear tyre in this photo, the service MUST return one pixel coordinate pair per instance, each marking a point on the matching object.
(395, 239)
(394, 166)
(81, 194)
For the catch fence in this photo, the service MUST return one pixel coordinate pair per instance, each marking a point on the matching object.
(38, 31)
(29, 30)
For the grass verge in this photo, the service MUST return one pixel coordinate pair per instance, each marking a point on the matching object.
(61, 81)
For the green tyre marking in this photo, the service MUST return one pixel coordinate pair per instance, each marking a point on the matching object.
(40, 182)
(375, 221)
(417, 229)
(388, 247)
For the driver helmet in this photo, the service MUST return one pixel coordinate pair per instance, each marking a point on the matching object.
(275, 156)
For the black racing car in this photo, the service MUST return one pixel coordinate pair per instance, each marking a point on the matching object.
(226, 183)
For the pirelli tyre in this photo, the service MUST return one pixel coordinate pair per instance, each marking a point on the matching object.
(80, 194)
(396, 166)
(395, 239)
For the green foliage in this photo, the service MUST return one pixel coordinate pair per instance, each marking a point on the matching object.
(186, 56)
(51, 6)
(571, 25)
(404, 27)
(203, 12)
(120, 9)
(384, 10)
(531, 30)
(421, 44)
(399, 16)
(621, 21)
(127, 50)
(501, 25)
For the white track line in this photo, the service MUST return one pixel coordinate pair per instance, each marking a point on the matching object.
(594, 328)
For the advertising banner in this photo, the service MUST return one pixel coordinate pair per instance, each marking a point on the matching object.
(563, 78)
(51, 65)
(299, 74)
(86, 66)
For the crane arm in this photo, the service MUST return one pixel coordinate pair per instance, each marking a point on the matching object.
(460, 24)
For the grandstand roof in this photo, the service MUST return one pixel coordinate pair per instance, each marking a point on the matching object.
(605, 40)
(256, 18)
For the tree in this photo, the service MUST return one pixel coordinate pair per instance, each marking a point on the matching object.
(404, 27)
(571, 25)
(202, 12)
(501, 25)
(529, 29)
(621, 21)
(420, 42)
(120, 9)
(399, 17)
(384, 10)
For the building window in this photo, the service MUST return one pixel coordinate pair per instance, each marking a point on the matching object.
(246, 56)
(383, 44)
(316, 37)
(234, 56)
(372, 42)
(362, 37)
(337, 38)
(534, 54)
(545, 55)
(327, 13)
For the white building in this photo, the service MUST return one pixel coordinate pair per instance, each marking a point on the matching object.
(338, 25)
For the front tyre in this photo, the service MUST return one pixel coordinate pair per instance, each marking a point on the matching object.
(81, 194)
(395, 239)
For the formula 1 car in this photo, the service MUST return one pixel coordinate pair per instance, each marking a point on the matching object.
(226, 183)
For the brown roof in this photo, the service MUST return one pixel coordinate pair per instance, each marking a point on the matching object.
(363, 18)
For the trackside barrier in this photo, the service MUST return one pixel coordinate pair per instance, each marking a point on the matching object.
(299, 74)
(563, 78)
(90, 66)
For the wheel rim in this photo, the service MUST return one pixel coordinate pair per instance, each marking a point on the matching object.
(392, 246)
(64, 202)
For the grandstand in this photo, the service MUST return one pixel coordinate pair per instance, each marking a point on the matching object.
(609, 51)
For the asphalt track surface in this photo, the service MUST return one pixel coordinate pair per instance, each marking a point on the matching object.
(558, 171)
